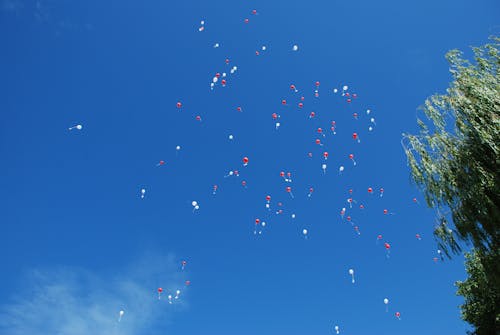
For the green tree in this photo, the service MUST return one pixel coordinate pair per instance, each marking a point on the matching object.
(455, 157)
(455, 161)
(480, 291)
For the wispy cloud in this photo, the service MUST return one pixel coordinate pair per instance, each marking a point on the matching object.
(68, 301)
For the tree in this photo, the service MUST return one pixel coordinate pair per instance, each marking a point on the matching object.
(481, 293)
(455, 161)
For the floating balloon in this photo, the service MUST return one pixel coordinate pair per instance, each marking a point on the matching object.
(289, 191)
(398, 315)
(78, 127)
(295, 48)
(386, 302)
(160, 290)
(120, 315)
(351, 272)
(351, 157)
(245, 161)
(337, 330)
(143, 193)
(417, 236)
(179, 104)
(160, 163)
(183, 263)
(323, 166)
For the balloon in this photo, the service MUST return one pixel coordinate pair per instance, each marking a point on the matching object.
(325, 154)
(78, 126)
(268, 198)
(187, 283)
(323, 166)
(304, 231)
(245, 161)
(283, 102)
(143, 193)
(120, 315)
(231, 137)
(397, 314)
(386, 301)
(247, 20)
(351, 157)
(292, 87)
(198, 118)
(301, 105)
(370, 190)
(159, 292)
(337, 330)
(254, 12)
(317, 84)
(351, 272)
(295, 48)
(194, 203)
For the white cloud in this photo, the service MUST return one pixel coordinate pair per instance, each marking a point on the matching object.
(69, 301)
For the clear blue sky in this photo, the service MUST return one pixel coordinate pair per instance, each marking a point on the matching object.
(76, 237)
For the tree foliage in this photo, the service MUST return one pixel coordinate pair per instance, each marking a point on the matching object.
(455, 156)
(481, 293)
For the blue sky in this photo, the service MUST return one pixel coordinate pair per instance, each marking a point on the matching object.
(77, 240)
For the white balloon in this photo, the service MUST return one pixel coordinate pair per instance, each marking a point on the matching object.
(293, 216)
(231, 137)
(304, 231)
(351, 271)
(194, 203)
(202, 22)
(143, 190)
(196, 207)
(79, 126)
(216, 45)
(178, 147)
(323, 166)
(263, 224)
(386, 301)
(215, 79)
(224, 74)
(345, 88)
(295, 47)
(341, 168)
(368, 111)
(335, 90)
(121, 313)
(264, 48)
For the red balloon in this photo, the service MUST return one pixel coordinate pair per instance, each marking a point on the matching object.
(179, 104)
(217, 75)
(198, 118)
(397, 314)
(370, 190)
(386, 211)
(188, 282)
(354, 135)
(312, 114)
(245, 160)
(275, 116)
(325, 154)
(317, 83)
(162, 162)
(160, 290)
(257, 221)
(223, 82)
(318, 141)
(301, 105)
(351, 156)
(227, 60)
(379, 237)
(387, 246)
(320, 130)
(243, 183)
(254, 12)
(247, 20)
(282, 174)
(268, 198)
(238, 109)
(283, 102)
(292, 87)
(289, 189)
